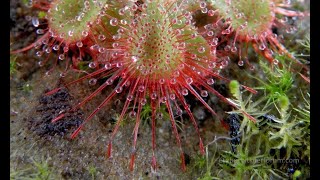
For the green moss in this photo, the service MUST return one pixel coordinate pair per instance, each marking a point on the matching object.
(277, 82)
(234, 88)
(92, 171)
(306, 43)
(296, 174)
(27, 88)
(42, 14)
(39, 170)
(25, 2)
(284, 102)
(13, 65)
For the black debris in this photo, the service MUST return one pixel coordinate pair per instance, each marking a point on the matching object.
(234, 125)
(51, 106)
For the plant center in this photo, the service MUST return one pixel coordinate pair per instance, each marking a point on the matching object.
(249, 17)
(70, 20)
(153, 47)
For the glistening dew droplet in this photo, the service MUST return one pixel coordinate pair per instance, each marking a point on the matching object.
(240, 63)
(101, 37)
(79, 44)
(55, 47)
(40, 31)
(130, 97)
(119, 90)
(189, 80)
(204, 93)
(92, 65)
(61, 56)
(201, 49)
(262, 47)
(184, 91)
(233, 49)
(84, 33)
(211, 12)
(132, 114)
(35, 21)
(108, 65)
(210, 81)
(141, 88)
(92, 81)
(70, 33)
(114, 22)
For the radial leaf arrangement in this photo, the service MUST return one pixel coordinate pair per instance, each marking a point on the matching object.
(251, 21)
(153, 52)
(73, 25)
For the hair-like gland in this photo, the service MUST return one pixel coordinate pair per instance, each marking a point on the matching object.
(69, 20)
(158, 58)
(251, 21)
(70, 25)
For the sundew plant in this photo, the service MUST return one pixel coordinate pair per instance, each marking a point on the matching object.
(155, 53)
